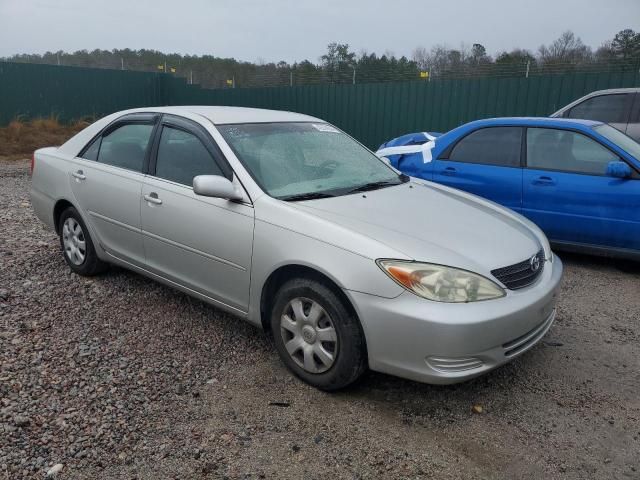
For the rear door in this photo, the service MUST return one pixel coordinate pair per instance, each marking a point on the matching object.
(201, 243)
(106, 179)
(568, 194)
(486, 162)
(613, 108)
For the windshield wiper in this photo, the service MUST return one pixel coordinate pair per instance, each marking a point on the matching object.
(305, 196)
(373, 186)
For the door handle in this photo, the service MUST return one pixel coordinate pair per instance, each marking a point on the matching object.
(153, 198)
(544, 180)
(449, 171)
(79, 175)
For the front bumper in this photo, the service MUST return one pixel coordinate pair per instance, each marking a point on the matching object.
(441, 343)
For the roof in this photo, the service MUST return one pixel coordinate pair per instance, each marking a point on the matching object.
(613, 90)
(532, 121)
(218, 115)
(226, 115)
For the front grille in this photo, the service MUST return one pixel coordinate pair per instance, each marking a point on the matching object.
(521, 274)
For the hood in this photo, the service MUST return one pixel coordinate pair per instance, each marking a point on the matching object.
(433, 224)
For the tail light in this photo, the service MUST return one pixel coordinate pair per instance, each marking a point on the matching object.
(33, 162)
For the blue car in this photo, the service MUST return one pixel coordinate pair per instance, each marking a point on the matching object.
(578, 180)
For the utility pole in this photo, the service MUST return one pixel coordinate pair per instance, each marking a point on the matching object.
(58, 55)
(233, 80)
(528, 64)
(121, 63)
(354, 75)
(191, 78)
(165, 65)
(291, 78)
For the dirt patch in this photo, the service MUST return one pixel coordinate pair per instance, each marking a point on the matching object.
(20, 139)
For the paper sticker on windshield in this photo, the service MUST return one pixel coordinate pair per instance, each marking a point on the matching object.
(324, 127)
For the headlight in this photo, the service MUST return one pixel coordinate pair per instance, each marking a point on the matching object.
(440, 283)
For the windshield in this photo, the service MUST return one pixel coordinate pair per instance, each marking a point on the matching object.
(623, 141)
(297, 160)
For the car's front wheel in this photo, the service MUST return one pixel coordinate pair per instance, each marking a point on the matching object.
(77, 246)
(317, 335)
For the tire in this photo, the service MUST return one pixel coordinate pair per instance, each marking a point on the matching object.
(325, 339)
(77, 246)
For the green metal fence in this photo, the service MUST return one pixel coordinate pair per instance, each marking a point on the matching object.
(372, 113)
(69, 93)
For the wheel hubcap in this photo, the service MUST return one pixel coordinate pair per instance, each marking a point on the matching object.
(73, 240)
(309, 335)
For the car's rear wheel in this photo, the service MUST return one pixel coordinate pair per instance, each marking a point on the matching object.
(317, 335)
(77, 246)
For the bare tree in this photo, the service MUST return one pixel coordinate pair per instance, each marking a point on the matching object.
(438, 60)
(421, 57)
(566, 49)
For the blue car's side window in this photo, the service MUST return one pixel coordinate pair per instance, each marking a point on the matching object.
(499, 146)
(566, 151)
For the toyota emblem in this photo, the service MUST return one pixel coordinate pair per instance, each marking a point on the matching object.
(534, 263)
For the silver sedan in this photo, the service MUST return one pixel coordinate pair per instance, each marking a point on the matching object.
(290, 224)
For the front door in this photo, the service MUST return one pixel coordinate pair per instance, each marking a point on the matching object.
(202, 243)
(569, 196)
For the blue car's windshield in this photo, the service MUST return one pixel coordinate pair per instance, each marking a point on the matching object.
(623, 141)
(299, 161)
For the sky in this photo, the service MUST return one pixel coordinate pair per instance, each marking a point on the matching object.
(293, 30)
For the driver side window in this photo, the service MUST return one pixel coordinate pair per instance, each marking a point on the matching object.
(566, 151)
(182, 156)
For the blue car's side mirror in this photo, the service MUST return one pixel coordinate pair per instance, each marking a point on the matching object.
(618, 169)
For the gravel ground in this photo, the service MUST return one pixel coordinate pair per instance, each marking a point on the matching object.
(120, 377)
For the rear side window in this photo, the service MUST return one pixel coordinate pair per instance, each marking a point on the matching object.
(126, 146)
(604, 108)
(566, 151)
(182, 156)
(490, 146)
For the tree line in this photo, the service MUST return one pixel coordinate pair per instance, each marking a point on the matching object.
(342, 65)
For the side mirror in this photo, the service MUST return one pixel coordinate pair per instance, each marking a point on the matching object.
(618, 169)
(215, 186)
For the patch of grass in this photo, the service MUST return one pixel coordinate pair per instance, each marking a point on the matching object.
(20, 138)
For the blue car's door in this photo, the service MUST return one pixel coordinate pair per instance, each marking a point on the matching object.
(486, 162)
(567, 193)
